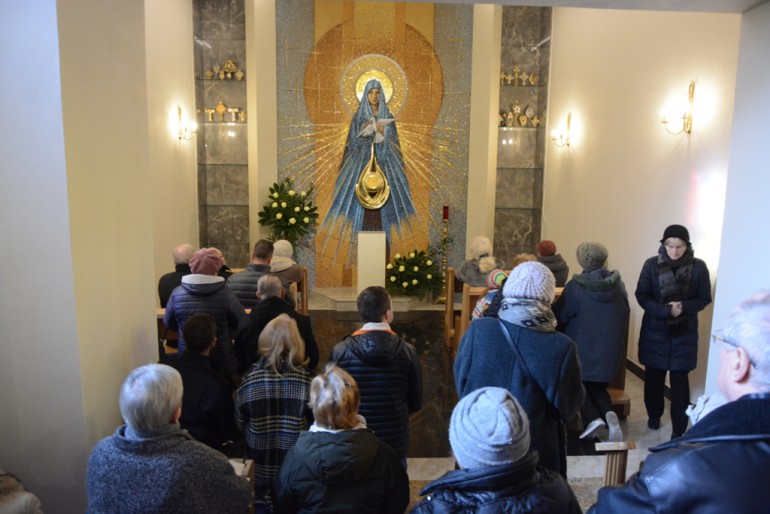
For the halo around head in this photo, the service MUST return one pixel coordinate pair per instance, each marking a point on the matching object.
(379, 67)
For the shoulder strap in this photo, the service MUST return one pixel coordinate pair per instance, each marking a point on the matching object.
(520, 359)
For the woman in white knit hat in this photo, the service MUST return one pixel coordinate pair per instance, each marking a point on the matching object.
(282, 264)
(522, 352)
(489, 434)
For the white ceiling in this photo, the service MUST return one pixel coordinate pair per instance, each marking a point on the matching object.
(720, 6)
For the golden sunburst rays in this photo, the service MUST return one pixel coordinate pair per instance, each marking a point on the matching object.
(434, 160)
(313, 156)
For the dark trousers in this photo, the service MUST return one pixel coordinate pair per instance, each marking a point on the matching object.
(654, 385)
(597, 403)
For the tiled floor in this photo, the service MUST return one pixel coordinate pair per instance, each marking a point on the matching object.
(429, 451)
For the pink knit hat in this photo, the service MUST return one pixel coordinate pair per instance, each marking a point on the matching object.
(206, 261)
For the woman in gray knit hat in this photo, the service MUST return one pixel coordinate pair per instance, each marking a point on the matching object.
(489, 434)
(593, 311)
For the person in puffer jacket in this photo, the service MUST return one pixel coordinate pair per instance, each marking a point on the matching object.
(489, 434)
(204, 291)
(593, 311)
(339, 466)
(386, 369)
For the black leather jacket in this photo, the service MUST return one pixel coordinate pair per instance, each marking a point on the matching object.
(720, 465)
(512, 488)
(387, 371)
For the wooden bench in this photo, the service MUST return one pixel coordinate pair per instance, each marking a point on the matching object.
(451, 313)
(300, 291)
(617, 461)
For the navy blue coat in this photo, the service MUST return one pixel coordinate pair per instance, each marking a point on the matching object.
(387, 371)
(213, 298)
(485, 359)
(719, 465)
(593, 311)
(659, 349)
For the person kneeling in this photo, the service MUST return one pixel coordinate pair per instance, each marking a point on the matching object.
(489, 434)
(340, 465)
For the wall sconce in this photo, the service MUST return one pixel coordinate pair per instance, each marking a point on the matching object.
(187, 129)
(562, 138)
(686, 114)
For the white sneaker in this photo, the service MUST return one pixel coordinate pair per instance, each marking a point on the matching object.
(592, 427)
(616, 434)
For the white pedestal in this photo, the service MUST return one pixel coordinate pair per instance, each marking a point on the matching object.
(371, 260)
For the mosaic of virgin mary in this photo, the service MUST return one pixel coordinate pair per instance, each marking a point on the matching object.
(373, 165)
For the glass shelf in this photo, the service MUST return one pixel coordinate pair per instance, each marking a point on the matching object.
(528, 86)
(225, 81)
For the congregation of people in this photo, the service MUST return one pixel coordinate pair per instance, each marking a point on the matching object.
(246, 385)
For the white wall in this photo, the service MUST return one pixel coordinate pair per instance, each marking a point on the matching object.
(747, 209)
(624, 179)
(262, 98)
(172, 163)
(43, 438)
(485, 100)
(77, 282)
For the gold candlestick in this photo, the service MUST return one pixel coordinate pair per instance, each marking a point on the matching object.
(442, 297)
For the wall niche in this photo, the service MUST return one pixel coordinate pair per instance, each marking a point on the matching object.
(219, 32)
(524, 67)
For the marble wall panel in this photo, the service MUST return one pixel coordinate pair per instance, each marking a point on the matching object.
(223, 19)
(227, 184)
(515, 148)
(519, 188)
(516, 231)
(203, 225)
(226, 143)
(202, 191)
(236, 254)
(227, 224)
(196, 14)
(524, 26)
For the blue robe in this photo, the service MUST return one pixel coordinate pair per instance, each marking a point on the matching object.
(345, 205)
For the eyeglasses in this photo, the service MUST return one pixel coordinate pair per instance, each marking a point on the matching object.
(719, 337)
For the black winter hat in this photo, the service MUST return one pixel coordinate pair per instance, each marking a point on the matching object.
(677, 231)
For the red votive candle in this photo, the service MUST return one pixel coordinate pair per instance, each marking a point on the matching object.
(446, 212)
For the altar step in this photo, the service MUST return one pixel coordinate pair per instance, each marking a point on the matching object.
(343, 300)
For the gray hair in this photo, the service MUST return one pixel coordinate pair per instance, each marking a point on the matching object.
(749, 327)
(150, 395)
(183, 253)
(269, 286)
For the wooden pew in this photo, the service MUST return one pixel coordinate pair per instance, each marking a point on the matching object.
(471, 296)
(621, 402)
(451, 314)
(300, 290)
